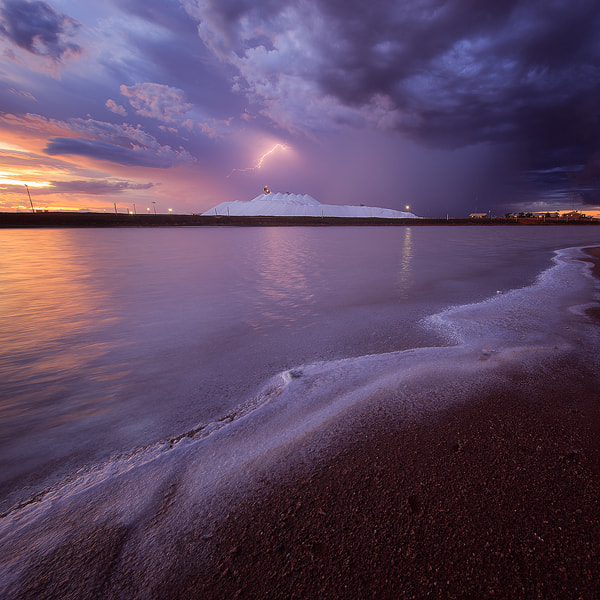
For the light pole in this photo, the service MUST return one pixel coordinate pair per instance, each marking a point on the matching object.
(154, 206)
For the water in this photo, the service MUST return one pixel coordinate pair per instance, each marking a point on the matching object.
(149, 377)
(111, 340)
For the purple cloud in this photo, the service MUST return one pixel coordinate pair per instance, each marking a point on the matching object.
(447, 73)
(130, 156)
(95, 187)
(37, 28)
(115, 108)
(157, 101)
(119, 143)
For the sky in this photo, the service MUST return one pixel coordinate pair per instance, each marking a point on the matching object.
(449, 107)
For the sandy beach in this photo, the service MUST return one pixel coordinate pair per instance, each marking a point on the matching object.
(492, 497)
(497, 498)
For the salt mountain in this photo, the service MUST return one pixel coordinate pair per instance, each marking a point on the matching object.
(278, 204)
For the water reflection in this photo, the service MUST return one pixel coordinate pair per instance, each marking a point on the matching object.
(285, 265)
(405, 279)
(49, 309)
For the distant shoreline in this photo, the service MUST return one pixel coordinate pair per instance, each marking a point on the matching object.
(91, 219)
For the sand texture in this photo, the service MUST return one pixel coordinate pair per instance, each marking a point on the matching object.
(497, 499)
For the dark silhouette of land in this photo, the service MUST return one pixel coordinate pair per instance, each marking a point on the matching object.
(92, 219)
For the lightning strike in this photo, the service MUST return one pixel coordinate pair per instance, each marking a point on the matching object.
(261, 160)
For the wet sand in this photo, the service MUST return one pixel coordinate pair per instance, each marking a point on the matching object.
(497, 499)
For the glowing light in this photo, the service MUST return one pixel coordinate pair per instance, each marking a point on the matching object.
(7, 179)
(259, 164)
(6, 147)
(261, 159)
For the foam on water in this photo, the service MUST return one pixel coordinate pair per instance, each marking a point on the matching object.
(522, 328)
(525, 315)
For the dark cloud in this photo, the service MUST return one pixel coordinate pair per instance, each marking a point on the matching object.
(134, 157)
(37, 28)
(521, 77)
(465, 72)
(449, 73)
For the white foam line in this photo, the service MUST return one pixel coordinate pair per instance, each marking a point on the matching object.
(313, 394)
(89, 476)
(533, 307)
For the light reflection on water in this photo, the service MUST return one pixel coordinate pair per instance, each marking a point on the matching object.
(47, 291)
(404, 279)
(49, 304)
(284, 263)
(293, 280)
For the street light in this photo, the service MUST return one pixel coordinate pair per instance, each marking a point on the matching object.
(154, 205)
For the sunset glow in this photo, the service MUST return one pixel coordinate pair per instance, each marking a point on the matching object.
(4, 180)
(190, 103)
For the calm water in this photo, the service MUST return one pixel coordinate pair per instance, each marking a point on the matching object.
(111, 340)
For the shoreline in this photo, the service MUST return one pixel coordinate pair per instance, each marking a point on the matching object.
(102, 220)
(494, 498)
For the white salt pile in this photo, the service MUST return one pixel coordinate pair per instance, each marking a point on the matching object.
(300, 205)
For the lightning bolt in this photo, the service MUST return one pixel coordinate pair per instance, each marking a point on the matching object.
(261, 160)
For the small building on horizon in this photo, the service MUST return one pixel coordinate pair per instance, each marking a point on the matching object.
(572, 215)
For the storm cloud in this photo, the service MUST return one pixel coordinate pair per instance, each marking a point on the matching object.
(447, 73)
(37, 28)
